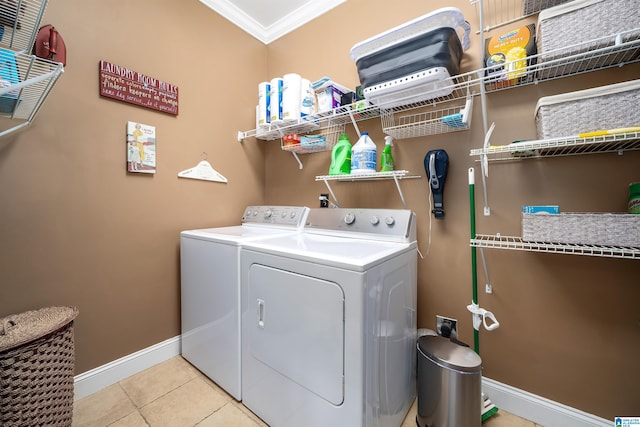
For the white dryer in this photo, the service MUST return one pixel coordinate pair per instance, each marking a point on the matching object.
(329, 321)
(210, 289)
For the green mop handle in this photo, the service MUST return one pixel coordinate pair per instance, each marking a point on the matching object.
(474, 278)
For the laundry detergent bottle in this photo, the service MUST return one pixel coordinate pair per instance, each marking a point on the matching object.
(341, 156)
(363, 157)
(386, 158)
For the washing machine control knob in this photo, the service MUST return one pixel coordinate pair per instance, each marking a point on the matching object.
(375, 220)
(268, 214)
(349, 218)
(389, 220)
(255, 213)
(283, 214)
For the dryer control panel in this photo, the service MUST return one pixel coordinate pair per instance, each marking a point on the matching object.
(294, 216)
(395, 224)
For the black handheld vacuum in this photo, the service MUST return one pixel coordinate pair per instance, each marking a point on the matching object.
(436, 164)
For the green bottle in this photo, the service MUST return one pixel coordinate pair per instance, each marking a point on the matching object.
(386, 160)
(341, 156)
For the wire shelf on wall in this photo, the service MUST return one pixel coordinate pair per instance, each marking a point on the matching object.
(20, 22)
(330, 135)
(21, 102)
(313, 123)
(396, 175)
(399, 174)
(502, 12)
(614, 50)
(516, 243)
(26, 79)
(566, 146)
(606, 52)
(433, 121)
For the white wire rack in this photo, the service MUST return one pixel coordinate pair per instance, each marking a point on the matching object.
(27, 80)
(396, 175)
(503, 12)
(20, 21)
(337, 116)
(21, 102)
(565, 146)
(516, 243)
(330, 135)
(580, 58)
(591, 55)
(431, 122)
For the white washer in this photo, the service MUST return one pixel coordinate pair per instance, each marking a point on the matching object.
(329, 321)
(210, 289)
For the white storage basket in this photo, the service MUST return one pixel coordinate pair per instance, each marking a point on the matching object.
(606, 229)
(582, 26)
(600, 108)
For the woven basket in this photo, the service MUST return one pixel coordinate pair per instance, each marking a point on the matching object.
(567, 34)
(606, 107)
(606, 229)
(37, 360)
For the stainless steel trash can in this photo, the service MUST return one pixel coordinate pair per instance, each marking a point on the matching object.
(449, 384)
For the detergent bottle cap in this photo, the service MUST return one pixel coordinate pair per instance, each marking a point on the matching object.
(388, 140)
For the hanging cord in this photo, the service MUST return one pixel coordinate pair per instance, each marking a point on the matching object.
(430, 201)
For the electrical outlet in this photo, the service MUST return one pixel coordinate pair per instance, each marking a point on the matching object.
(449, 324)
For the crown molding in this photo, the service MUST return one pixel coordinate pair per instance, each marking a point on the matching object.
(267, 34)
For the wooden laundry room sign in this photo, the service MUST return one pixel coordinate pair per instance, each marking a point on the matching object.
(129, 86)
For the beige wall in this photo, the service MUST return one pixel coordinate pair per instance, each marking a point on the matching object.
(570, 325)
(76, 229)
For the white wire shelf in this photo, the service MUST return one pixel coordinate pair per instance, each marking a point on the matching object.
(330, 135)
(516, 243)
(20, 21)
(432, 122)
(458, 89)
(21, 102)
(502, 12)
(399, 174)
(396, 175)
(615, 50)
(565, 146)
(337, 116)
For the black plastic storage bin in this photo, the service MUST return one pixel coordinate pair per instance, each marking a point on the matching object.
(437, 48)
(449, 384)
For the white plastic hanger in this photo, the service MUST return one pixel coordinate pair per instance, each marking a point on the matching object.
(203, 171)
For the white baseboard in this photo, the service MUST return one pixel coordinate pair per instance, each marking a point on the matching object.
(518, 402)
(538, 409)
(103, 376)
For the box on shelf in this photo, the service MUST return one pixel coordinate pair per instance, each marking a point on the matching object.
(328, 95)
(606, 229)
(601, 108)
(8, 77)
(507, 57)
(541, 209)
(581, 26)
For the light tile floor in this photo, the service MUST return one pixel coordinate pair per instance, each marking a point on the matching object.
(176, 394)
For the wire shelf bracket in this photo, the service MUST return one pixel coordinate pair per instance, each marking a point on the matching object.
(395, 175)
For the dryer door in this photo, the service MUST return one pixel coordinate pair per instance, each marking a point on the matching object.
(298, 329)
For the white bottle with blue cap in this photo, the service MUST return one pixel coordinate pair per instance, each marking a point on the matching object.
(363, 156)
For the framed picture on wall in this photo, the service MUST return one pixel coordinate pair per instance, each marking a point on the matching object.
(141, 148)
